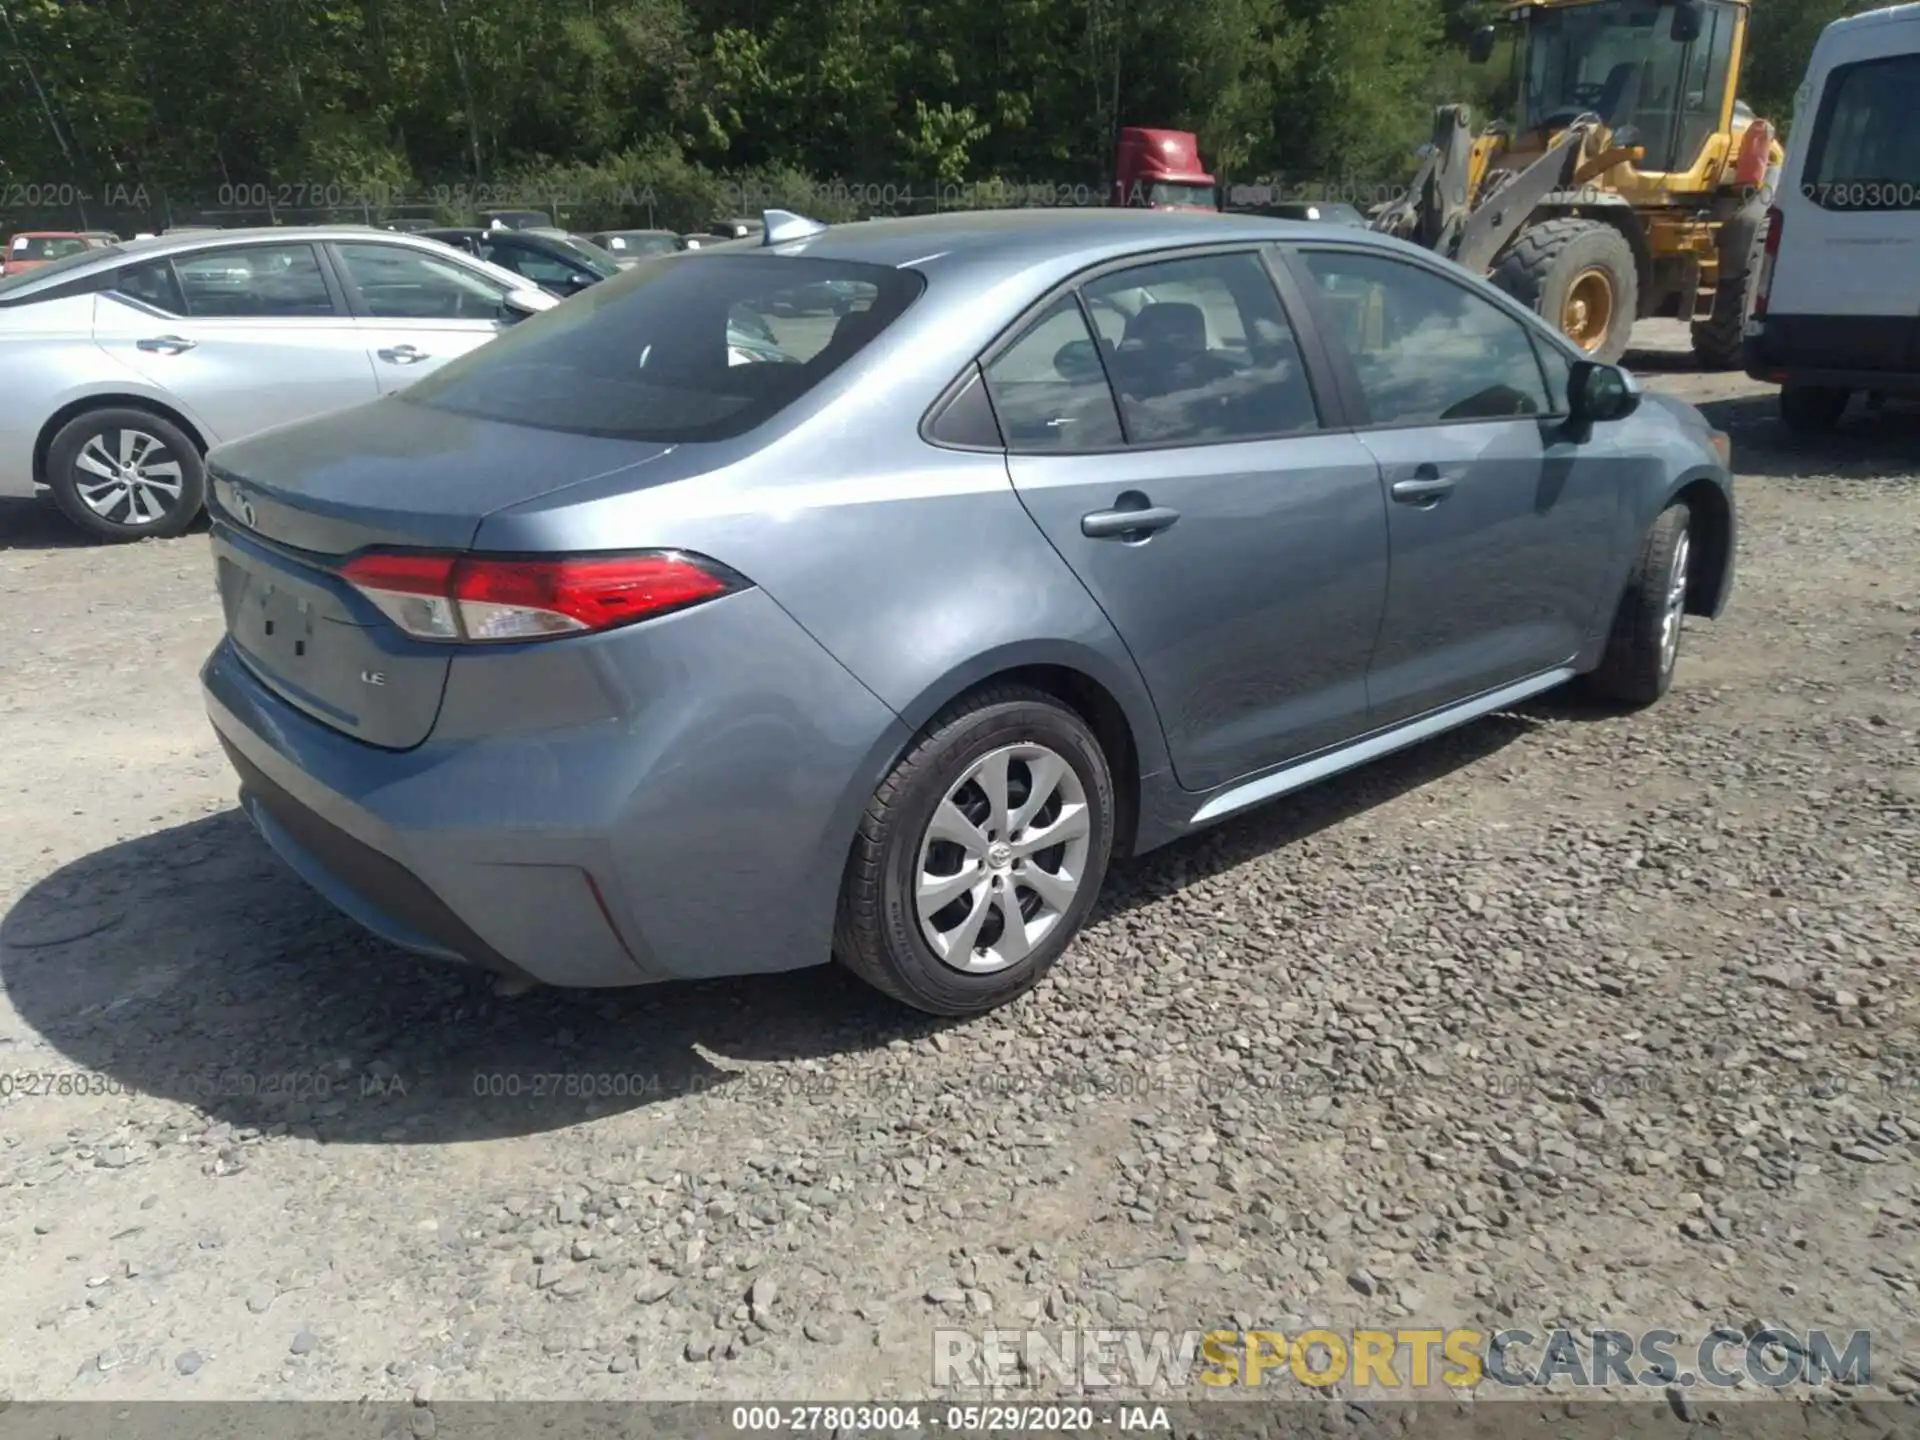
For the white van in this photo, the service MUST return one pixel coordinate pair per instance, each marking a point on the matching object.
(1837, 308)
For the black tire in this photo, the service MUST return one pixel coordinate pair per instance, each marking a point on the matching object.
(1719, 341)
(1812, 409)
(1637, 668)
(1541, 265)
(66, 478)
(877, 932)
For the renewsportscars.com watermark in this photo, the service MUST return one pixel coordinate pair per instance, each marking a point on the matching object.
(1172, 1361)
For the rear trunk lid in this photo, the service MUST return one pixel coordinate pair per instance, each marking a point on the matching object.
(290, 506)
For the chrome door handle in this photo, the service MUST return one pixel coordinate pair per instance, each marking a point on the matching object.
(1426, 492)
(165, 344)
(403, 355)
(1127, 524)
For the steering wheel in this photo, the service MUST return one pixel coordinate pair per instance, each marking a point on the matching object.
(1588, 93)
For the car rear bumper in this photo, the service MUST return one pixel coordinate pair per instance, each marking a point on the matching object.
(366, 884)
(700, 833)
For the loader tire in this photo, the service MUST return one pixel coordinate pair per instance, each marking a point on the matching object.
(1718, 341)
(1580, 276)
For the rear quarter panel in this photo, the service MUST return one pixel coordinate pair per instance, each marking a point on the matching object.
(48, 360)
(916, 567)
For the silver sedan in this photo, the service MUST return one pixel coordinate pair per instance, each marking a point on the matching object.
(121, 366)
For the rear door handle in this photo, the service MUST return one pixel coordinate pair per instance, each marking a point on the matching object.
(403, 355)
(165, 344)
(1127, 524)
(1425, 490)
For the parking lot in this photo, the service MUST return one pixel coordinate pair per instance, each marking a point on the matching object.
(1567, 1017)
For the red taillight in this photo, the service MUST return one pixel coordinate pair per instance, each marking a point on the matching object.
(478, 597)
(1776, 222)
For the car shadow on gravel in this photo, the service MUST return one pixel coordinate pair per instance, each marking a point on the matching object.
(1297, 817)
(1660, 361)
(39, 525)
(1868, 445)
(192, 964)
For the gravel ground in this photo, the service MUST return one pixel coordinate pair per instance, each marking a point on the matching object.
(1561, 1018)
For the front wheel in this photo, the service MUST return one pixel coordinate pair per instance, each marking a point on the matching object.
(980, 855)
(124, 474)
(1644, 647)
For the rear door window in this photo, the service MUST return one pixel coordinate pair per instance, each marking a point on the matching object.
(1865, 151)
(255, 282)
(1049, 388)
(693, 348)
(1205, 354)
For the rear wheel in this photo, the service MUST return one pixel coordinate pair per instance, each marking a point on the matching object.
(1645, 644)
(1580, 276)
(125, 474)
(1811, 409)
(1719, 341)
(980, 855)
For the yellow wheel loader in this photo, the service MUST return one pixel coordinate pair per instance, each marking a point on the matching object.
(1633, 183)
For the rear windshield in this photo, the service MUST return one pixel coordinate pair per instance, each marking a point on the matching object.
(1865, 152)
(587, 253)
(642, 244)
(45, 247)
(690, 348)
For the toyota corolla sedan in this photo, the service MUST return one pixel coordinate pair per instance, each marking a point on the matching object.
(610, 653)
(120, 364)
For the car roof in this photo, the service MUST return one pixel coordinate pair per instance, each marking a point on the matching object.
(49, 235)
(984, 267)
(1041, 244)
(112, 257)
(1868, 19)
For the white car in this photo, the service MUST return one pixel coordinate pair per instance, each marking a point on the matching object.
(121, 366)
(1835, 312)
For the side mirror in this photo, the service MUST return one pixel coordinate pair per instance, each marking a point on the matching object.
(1480, 45)
(519, 304)
(1598, 393)
(1687, 22)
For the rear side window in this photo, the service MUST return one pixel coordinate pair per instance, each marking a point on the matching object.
(153, 283)
(1865, 151)
(694, 348)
